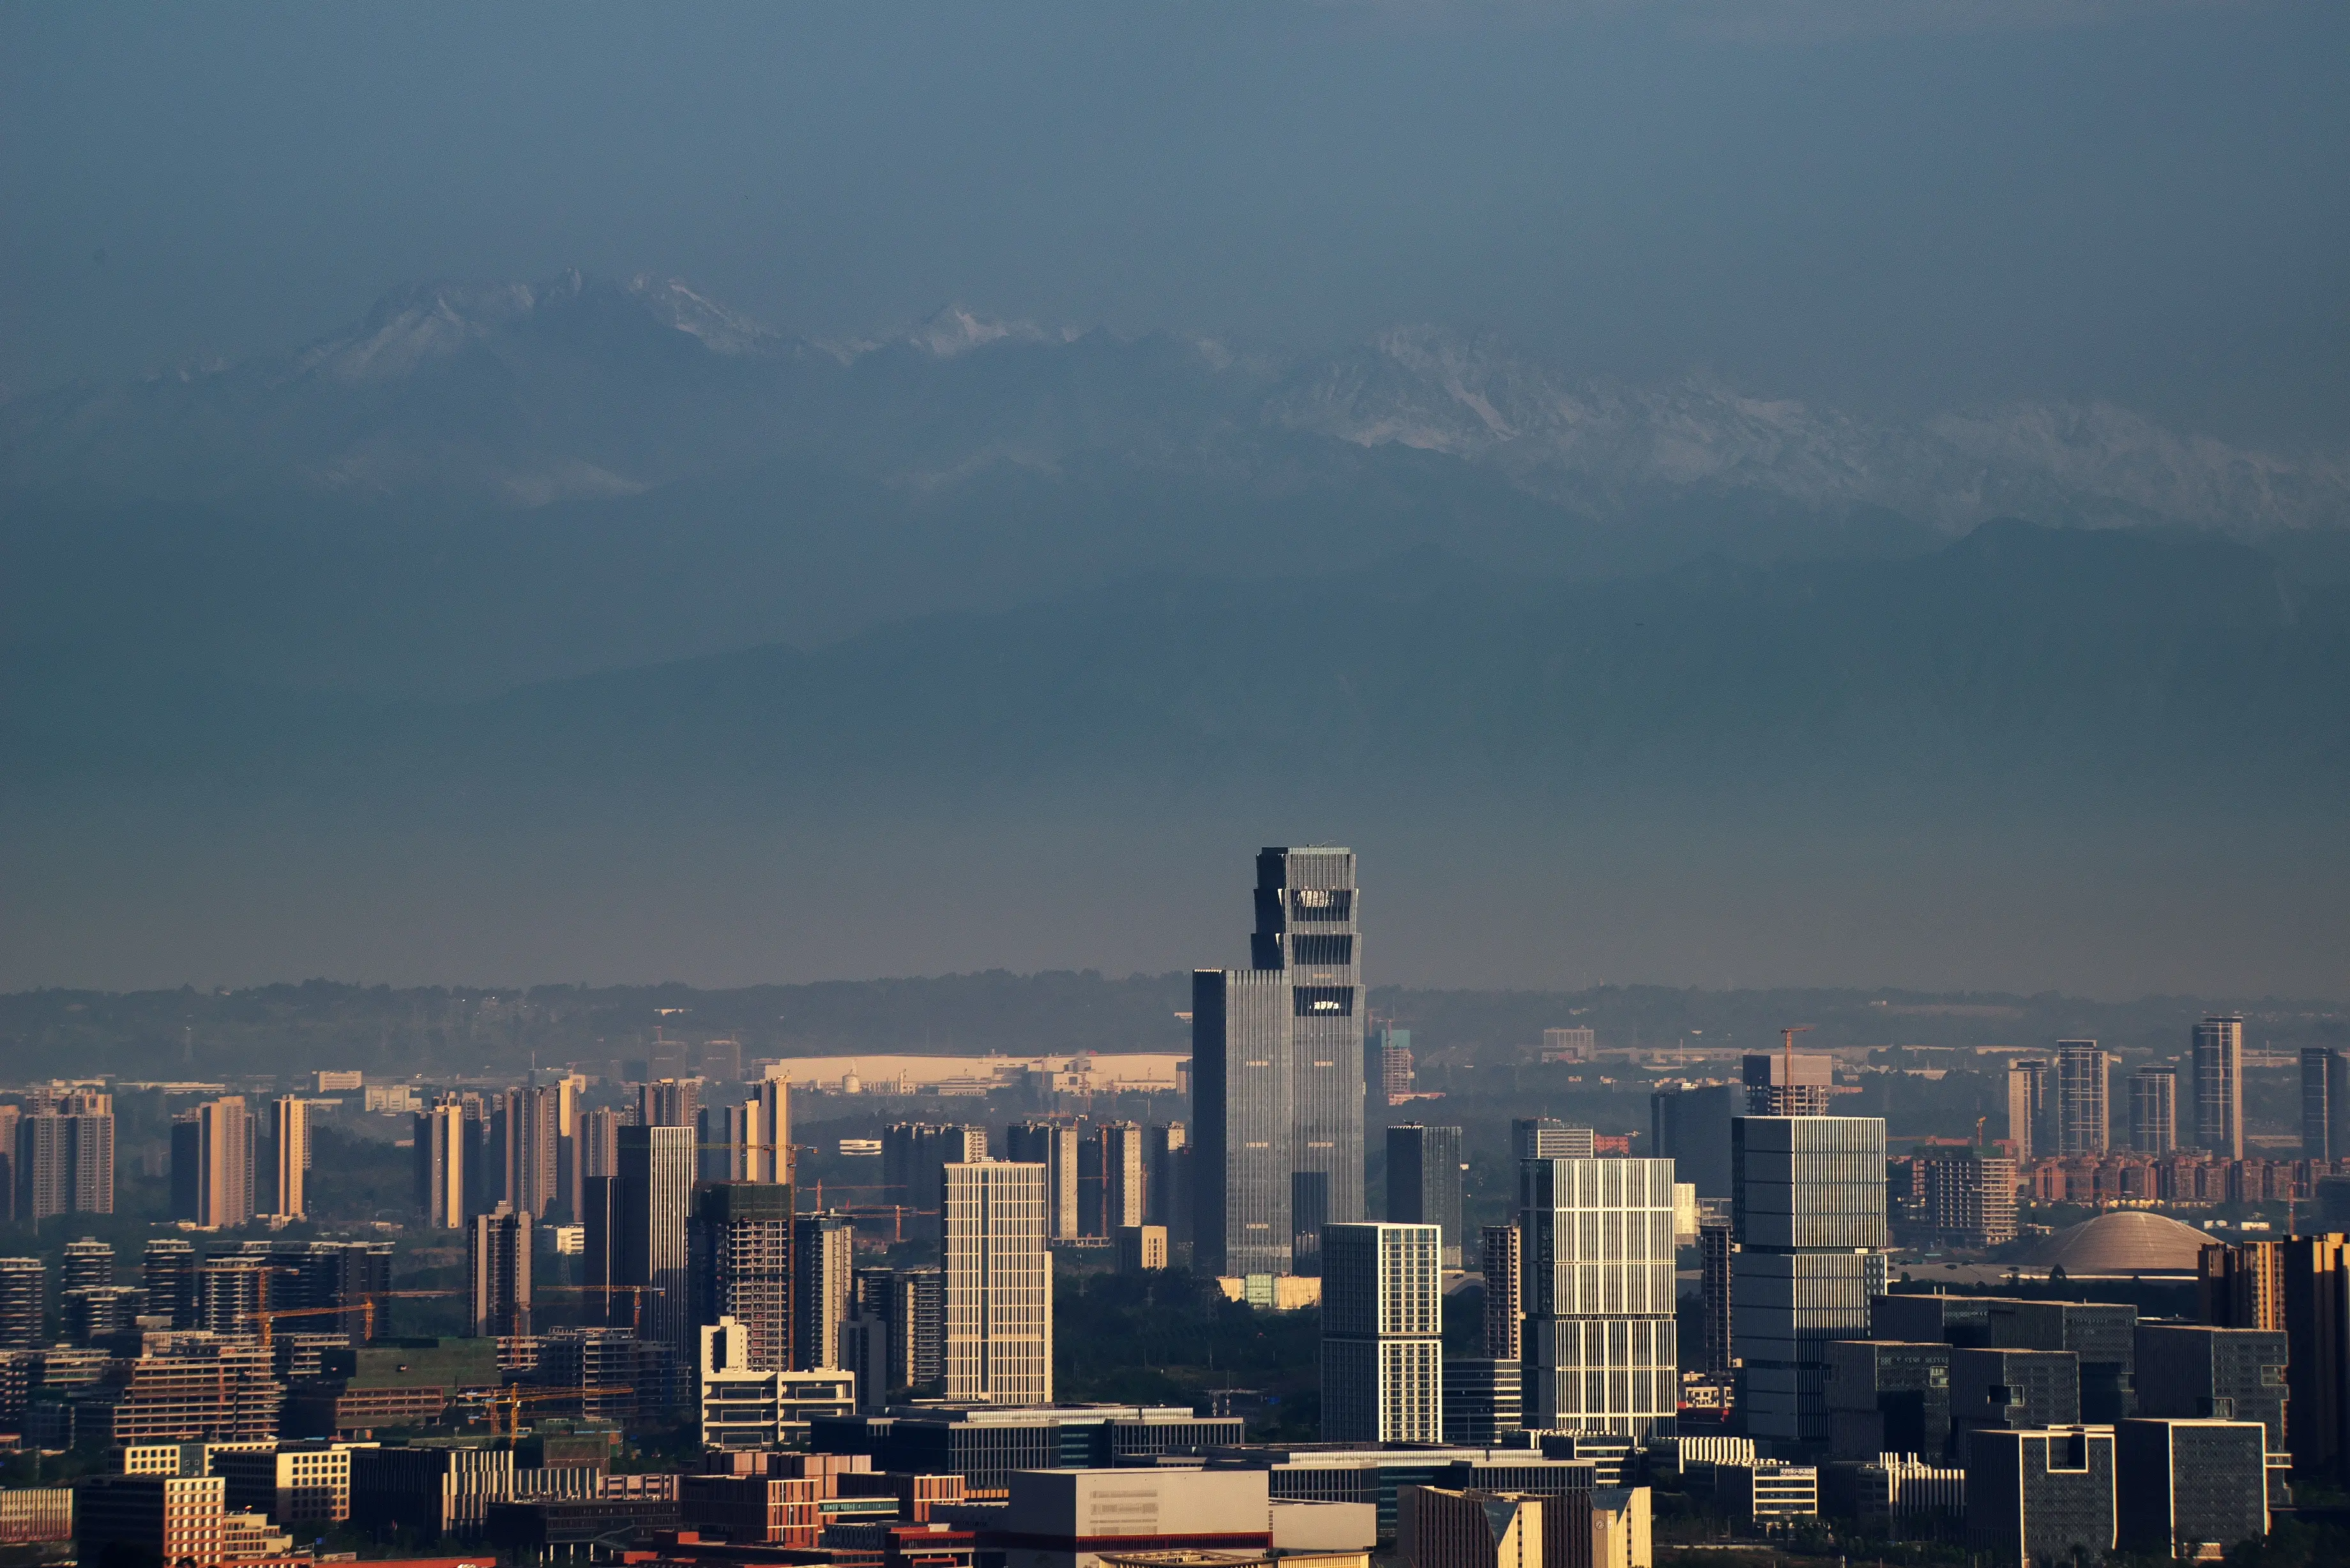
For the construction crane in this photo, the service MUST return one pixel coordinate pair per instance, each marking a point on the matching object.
(515, 1395)
(264, 1316)
(637, 1292)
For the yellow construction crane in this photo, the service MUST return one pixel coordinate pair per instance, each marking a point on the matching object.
(264, 1316)
(637, 1294)
(515, 1395)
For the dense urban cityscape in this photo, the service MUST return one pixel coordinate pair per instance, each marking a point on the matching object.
(657, 1335)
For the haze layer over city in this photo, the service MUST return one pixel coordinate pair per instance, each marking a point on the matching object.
(1427, 785)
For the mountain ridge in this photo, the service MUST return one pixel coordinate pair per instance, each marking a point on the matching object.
(515, 394)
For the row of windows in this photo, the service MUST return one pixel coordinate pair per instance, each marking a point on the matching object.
(1322, 904)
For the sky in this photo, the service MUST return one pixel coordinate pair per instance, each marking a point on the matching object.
(1888, 208)
(1914, 205)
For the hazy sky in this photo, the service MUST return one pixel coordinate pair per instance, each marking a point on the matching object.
(2145, 202)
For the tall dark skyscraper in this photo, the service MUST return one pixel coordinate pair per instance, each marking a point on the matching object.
(1424, 1182)
(2324, 1102)
(1277, 1072)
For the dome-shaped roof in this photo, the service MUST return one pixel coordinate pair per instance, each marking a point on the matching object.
(2126, 1241)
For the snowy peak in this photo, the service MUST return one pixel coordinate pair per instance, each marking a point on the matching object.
(720, 329)
(1599, 446)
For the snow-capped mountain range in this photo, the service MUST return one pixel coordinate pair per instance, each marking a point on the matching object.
(513, 395)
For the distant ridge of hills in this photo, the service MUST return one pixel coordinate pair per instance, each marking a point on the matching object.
(395, 1032)
(515, 394)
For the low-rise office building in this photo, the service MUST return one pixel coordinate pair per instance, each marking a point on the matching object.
(35, 1515)
(1888, 1396)
(2190, 1485)
(989, 1443)
(304, 1485)
(169, 1519)
(2012, 1390)
(1067, 1518)
(1482, 1400)
(1767, 1490)
(436, 1490)
(2041, 1496)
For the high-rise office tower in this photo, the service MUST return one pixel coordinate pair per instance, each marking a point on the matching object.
(64, 1161)
(2219, 1080)
(1382, 1334)
(1424, 1181)
(2154, 1110)
(1809, 1221)
(499, 1256)
(2030, 1110)
(1714, 1250)
(212, 1163)
(1054, 1146)
(2325, 1104)
(1277, 1072)
(739, 1253)
(168, 1270)
(999, 1283)
(823, 1279)
(1600, 1350)
(652, 1201)
(1165, 1201)
(290, 1154)
(9, 1116)
(2082, 1124)
(1770, 1092)
(1690, 1126)
(23, 1287)
(441, 1136)
(669, 1102)
(1505, 1291)
(1547, 1137)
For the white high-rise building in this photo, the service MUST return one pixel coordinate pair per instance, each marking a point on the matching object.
(2084, 1124)
(1809, 1219)
(1382, 1334)
(999, 1283)
(1599, 1349)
